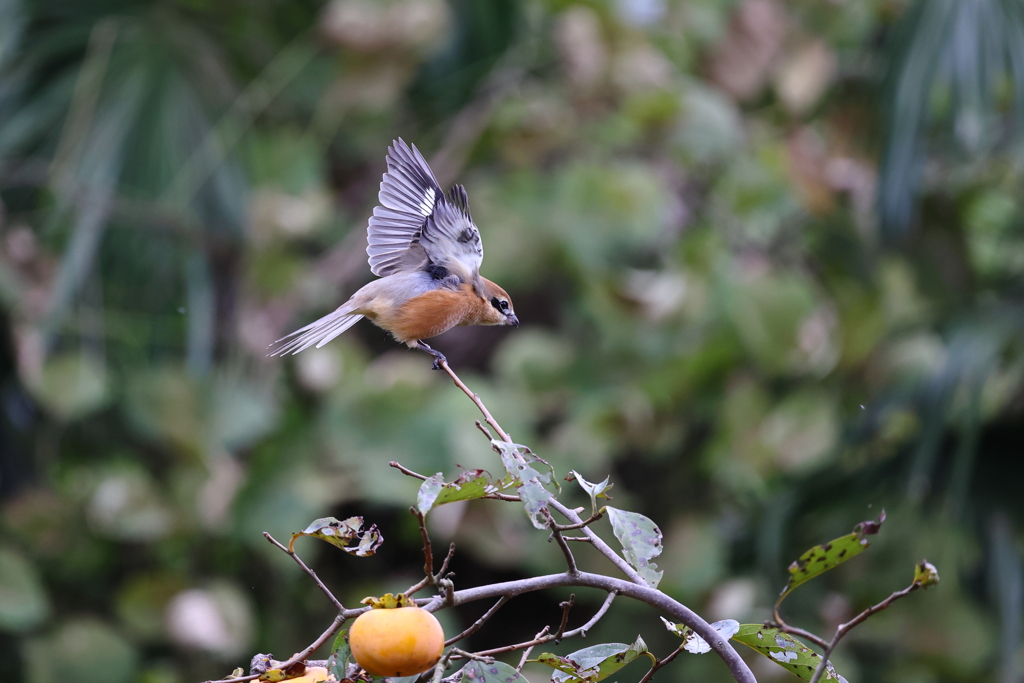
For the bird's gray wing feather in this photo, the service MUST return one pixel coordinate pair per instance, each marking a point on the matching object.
(416, 221)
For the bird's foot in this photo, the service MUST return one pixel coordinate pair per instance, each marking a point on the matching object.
(438, 356)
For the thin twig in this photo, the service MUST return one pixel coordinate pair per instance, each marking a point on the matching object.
(488, 418)
(406, 470)
(294, 556)
(660, 663)
(582, 630)
(587, 522)
(522, 660)
(566, 606)
(537, 640)
(598, 543)
(487, 433)
(545, 636)
(428, 552)
(800, 633)
(447, 559)
(301, 656)
(475, 626)
(570, 561)
(848, 626)
(581, 539)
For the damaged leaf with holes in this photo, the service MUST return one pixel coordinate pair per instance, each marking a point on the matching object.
(641, 542)
(469, 485)
(496, 672)
(695, 644)
(342, 534)
(785, 651)
(821, 558)
(595, 491)
(595, 663)
(530, 475)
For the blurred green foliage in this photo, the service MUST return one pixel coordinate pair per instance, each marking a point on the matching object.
(768, 257)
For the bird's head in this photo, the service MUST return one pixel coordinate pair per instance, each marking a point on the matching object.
(498, 306)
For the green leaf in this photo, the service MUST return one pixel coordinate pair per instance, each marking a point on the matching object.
(694, 643)
(821, 558)
(925, 574)
(341, 534)
(595, 491)
(470, 485)
(641, 542)
(529, 482)
(496, 672)
(337, 663)
(785, 651)
(595, 663)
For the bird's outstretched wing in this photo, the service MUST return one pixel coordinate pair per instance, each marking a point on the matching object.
(416, 222)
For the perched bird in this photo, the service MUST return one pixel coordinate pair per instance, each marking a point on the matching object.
(427, 251)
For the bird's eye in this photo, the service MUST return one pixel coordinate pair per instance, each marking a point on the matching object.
(500, 304)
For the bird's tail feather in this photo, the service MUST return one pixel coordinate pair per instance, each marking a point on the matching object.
(318, 332)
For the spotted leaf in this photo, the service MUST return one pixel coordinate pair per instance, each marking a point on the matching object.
(641, 542)
(593, 664)
(821, 558)
(785, 651)
(496, 672)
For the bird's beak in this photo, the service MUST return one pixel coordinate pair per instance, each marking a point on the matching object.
(512, 320)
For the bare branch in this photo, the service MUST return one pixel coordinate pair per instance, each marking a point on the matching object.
(294, 556)
(406, 471)
(542, 638)
(475, 626)
(488, 418)
(566, 606)
(848, 626)
(487, 433)
(598, 543)
(527, 651)
(570, 561)
(428, 552)
(587, 522)
(582, 630)
(526, 656)
(660, 663)
(546, 636)
(447, 559)
(800, 633)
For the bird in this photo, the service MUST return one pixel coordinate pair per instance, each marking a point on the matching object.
(426, 251)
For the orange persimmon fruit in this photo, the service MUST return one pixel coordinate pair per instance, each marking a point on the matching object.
(396, 642)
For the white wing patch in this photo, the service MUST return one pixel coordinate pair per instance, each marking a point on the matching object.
(427, 205)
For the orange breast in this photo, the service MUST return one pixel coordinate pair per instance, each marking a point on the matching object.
(430, 314)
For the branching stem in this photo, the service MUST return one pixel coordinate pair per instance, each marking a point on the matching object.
(475, 626)
(848, 626)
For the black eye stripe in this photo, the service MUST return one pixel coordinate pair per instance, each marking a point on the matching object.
(500, 304)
